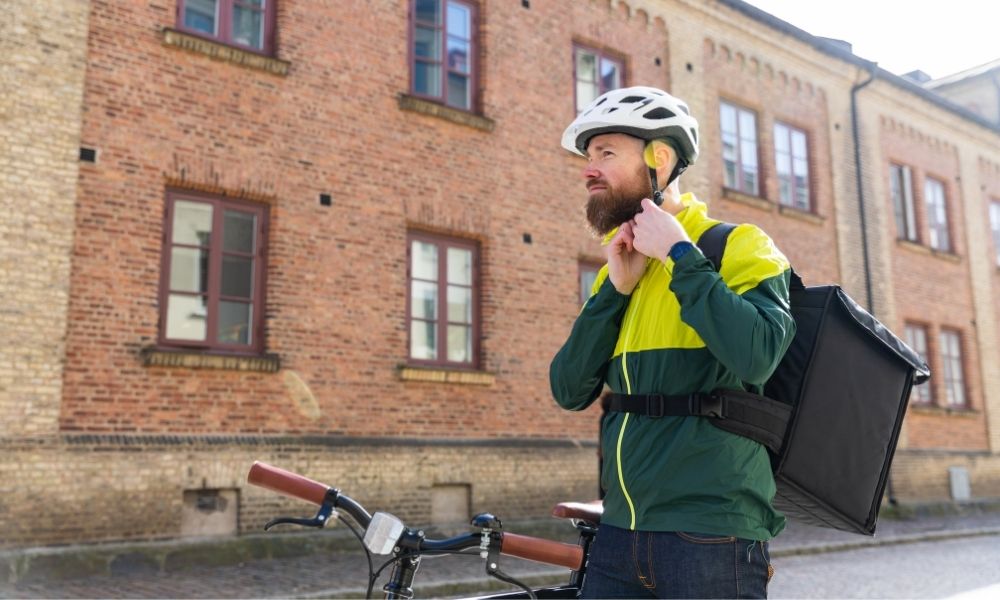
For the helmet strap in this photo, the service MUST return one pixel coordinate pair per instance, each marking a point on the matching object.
(679, 166)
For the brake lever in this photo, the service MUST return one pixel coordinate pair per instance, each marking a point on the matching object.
(326, 511)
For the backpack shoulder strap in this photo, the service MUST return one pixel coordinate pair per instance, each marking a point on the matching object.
(712, 242)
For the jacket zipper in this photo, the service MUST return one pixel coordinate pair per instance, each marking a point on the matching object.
(621, 432)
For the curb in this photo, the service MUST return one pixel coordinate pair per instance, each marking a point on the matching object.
(932, 536)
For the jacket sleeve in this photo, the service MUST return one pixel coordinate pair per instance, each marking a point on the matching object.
(742, 313)
(578, 370)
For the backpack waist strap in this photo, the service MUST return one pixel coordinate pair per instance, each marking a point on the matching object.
(751, 415)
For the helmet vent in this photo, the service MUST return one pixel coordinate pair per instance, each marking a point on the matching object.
(684, 108)
(631, 99)
(610, 109)
(602, 101)
(694, 134)
(659, 113)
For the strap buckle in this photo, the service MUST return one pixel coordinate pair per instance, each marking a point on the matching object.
(655, 401)
(707, 405)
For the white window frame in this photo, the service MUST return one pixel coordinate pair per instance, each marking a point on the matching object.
(745, 149)
(901, 190)
(789, 165)
(937, 214)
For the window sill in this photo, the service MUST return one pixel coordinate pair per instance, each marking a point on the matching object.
(800, 214)
(742, 198)
(925, 409)
(193, 359)
(927, 250)
(434, 109)
(445, 375)
(223, 52)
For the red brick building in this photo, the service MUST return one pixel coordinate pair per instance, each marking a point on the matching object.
(343, 238)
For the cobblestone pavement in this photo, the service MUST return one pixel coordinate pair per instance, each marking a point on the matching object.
(343, 574)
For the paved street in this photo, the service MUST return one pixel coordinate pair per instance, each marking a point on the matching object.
(921, 557)
(937, 569)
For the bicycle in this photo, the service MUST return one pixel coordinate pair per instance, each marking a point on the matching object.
(384, 534)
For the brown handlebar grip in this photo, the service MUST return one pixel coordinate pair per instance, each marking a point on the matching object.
(544, 551)
(287, 483)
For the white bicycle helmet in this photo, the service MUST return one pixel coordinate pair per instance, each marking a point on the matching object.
(644, 112)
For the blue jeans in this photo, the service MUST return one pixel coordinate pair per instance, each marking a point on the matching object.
(643, 564)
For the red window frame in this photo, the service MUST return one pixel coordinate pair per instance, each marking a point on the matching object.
(792, 199)
(903, 204)
(740, 184)
(939, 226)
(442, 243)
(444, 69)
(953, 368)
(601, 57)
(214, 276)
(917, 338)
(224, 24)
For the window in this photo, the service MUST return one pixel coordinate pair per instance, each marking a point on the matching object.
(444, 51)
(951, 360)
(995, 227)
(443, 310)
(212, 286)
(791, 157)
(916, 338)
(588, 275)
(901, 188)
(596, 73)
(739, 148)
(937, 216)
(244, 23)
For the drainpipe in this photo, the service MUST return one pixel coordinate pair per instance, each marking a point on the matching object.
(861, 188)
(869, 295)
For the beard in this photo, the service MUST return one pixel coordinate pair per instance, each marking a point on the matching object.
(611, 207)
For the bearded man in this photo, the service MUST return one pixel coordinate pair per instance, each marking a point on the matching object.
(688, 508)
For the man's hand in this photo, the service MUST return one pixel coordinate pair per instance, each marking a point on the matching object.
(625, 263)
(655, 231)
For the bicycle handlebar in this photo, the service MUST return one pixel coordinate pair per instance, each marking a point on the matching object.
(512, 544)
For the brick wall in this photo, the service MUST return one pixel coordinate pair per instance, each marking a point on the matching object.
(114, 487)
(43, 45)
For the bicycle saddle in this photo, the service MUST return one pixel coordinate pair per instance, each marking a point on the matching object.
(584, 511)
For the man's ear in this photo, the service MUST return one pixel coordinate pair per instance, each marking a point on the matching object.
(659, 155)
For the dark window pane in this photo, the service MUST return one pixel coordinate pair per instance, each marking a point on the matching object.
(237, 276)
(234, 322)
(429, 11)
(238, 231)
(458, 91)
(248, 27)
(188, 270)
(192, 223)
(200, 15)
(187, 317)
(428, 43)
(427, 79)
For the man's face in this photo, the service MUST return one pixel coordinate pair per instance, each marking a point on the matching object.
(617, 180)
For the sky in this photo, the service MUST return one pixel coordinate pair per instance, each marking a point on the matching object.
(938, 38)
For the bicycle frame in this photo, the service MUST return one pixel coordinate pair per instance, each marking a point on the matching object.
(408, 547)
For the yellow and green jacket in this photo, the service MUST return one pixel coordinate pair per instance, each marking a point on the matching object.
(685, 328)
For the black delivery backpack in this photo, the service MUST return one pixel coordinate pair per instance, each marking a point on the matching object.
(836, 403)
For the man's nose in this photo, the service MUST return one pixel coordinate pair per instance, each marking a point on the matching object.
(590, 172)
